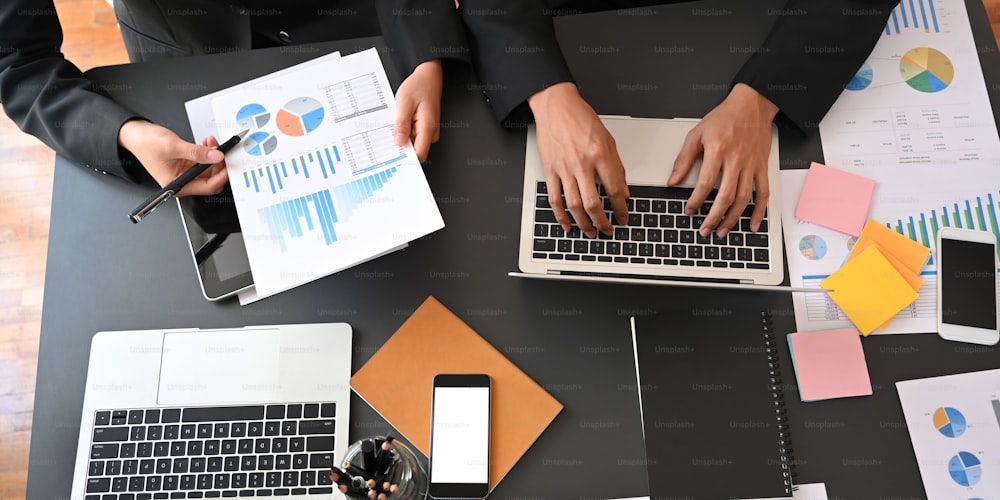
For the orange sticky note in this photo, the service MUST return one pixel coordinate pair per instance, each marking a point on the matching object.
(869, 290)
(907, 252)
(835, 199)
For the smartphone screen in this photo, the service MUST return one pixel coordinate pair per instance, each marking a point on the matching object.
(460, 436)
(968, 284)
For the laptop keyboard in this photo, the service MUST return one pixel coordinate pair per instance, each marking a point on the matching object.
(212, 452)
(658, 234)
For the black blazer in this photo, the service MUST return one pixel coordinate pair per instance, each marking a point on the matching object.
(49, 98)
(511, 46)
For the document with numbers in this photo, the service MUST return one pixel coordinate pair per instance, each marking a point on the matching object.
(318, 183)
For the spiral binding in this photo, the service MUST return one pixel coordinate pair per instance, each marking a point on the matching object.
(785, 450)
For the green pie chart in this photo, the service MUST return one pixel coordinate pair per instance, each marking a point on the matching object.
(926, 69)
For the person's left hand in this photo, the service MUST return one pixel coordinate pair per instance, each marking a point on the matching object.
(418, 108)
(735, 139)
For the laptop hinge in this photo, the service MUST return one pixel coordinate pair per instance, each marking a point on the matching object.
(650, 277)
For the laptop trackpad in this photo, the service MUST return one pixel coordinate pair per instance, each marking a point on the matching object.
(219, 367)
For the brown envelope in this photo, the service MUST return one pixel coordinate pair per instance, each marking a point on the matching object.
(397, 382)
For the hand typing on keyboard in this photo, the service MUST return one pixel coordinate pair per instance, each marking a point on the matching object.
(735, 139)
(577, 151)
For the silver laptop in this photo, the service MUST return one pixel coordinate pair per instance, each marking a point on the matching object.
(256, 411)
(661, 244)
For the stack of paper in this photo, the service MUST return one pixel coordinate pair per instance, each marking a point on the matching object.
(318, 182)
(881, 275)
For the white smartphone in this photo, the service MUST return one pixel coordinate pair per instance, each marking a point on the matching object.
(460, 436)
(967, 286)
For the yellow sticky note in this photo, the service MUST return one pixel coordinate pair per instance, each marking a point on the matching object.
(869, 290)
(909, 253)
(911, 277)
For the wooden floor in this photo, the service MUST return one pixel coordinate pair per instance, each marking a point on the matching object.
(25, 195)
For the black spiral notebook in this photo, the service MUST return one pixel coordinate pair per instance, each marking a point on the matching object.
(713, 415)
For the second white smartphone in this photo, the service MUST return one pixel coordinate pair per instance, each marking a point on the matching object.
(967, 286)
(460, 436)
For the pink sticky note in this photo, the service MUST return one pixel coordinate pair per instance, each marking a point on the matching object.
(835, 199)
(829, 364)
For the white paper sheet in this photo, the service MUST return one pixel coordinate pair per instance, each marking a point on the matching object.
(954, 425)
(914, 199)
(318, 183)
(919, 99)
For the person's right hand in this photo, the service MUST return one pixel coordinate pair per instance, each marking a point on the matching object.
(576, 151)
(166, 156)
(418, 108)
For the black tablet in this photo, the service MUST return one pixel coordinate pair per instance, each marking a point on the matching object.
(216, 243)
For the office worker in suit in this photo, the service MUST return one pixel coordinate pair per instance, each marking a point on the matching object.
(48, 97)
(782, 81)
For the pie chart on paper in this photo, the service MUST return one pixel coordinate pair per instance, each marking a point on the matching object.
(252, 116)
(300, 116)
(260, 143)
(949, 422)
(965, 469)
(812, 247)
(926, 69)
(862, 79)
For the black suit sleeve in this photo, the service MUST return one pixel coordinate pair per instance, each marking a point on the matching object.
(813, 51)
(49, 98)
(514, 51)
(417, 31)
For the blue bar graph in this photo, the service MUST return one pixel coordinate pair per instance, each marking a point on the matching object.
(271, 177)
(285, 218)
(913, 15)
(979, 213)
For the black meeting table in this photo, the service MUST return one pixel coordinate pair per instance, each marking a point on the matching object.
(104, 273)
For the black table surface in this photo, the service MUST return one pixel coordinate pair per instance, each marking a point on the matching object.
(104, 273)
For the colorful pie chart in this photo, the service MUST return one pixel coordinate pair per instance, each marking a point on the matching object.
(812, 247)
(300, 116)
(862, 79)
(926, 69)
(949, 421)
(260, 143)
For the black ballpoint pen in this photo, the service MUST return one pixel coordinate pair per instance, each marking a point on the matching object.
(177, 184)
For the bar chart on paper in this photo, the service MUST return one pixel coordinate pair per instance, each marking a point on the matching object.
(320, 211)
(274, 176)
(979, 213)
(913, 15)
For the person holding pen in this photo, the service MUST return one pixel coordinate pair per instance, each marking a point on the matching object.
(576, 150)
(50, 98)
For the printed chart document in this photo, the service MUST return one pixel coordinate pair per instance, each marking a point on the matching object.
(954, 424)
(917, 119)
(919, 99)
(318, 183)
(914, 200)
